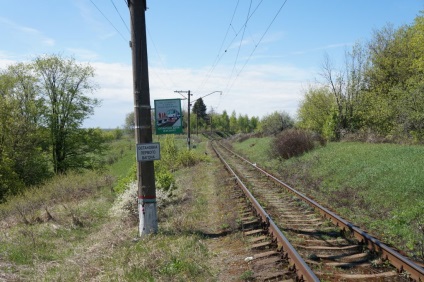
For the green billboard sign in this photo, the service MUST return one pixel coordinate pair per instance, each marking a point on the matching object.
(168, 116)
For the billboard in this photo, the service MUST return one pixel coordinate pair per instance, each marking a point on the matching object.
(168, 116)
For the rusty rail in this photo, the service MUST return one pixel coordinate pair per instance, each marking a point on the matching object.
(401, 263)
(304, 273)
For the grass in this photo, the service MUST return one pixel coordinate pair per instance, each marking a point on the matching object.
(378, 186)
(123, 153)
(64, 231)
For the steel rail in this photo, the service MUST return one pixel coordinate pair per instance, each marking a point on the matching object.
(401, 263)
(302, 270)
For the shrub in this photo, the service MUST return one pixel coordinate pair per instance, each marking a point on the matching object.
(187, 158)
(123, 183)
(291, 143)
(165, 181)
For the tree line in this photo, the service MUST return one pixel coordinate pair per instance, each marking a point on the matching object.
(379, 91)
(43, 105)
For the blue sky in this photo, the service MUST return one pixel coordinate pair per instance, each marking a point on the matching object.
(262, 64)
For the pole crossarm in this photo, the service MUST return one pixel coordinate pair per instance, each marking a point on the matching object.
(220, 93)
(182, 91)
(188, 109)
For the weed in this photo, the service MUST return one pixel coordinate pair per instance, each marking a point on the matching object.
(247, 276)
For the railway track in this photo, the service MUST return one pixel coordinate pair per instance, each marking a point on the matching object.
(296, 239)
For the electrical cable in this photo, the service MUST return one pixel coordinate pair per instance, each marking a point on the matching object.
(109, 21)
(120, 16)
(239, 47)
(229, 45)
(220, 48)
(160, 60)
(256, 46)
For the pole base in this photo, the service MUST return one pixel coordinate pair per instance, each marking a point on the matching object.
(148, 218)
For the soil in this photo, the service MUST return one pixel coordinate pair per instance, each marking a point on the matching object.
(225, 240)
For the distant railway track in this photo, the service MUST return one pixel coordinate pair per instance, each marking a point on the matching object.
(305, 238)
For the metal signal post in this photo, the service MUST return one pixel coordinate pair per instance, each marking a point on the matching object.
(188, 115)
(142, 118)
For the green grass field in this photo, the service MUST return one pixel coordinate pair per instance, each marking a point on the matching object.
(378, 186)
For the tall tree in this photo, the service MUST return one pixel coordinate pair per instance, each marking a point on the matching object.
(199, 109)
(254, 123)
(130, 124)
(243, 123)
(347, 86)
(395, 99)
(224, 121)
(22, 138)
(65, 85)
(316, 109)
(233, 123)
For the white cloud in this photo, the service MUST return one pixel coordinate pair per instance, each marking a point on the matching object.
(258, 91)
(29, 32)
(83, 54)
(5, 60)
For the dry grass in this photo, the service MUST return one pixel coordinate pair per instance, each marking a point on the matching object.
(91, 238)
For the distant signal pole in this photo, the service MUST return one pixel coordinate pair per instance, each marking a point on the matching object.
(188, 115)
(143, 129)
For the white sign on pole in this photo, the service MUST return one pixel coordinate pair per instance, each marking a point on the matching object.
(148, 152)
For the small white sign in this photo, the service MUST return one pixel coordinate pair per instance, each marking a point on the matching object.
(148, 152)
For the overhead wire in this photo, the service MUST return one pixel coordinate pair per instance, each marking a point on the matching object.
(116, 9)
(259, 42)
(160, 60)
(220, 48)
(239, 47)
(220, 56)
(108, 21)
(154, 46)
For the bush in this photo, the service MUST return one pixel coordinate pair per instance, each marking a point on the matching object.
(123, 183)
(187, 158)
(275, 123)
(292, 142)
(165, 181)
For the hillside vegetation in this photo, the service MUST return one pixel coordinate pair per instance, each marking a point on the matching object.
(378, 186)
(77, 227)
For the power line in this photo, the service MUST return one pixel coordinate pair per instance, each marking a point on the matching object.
(220, 48)
(241, 42)
(120, 15)
(260, 40)
(109, 21)
(220, 56)
(160, 59)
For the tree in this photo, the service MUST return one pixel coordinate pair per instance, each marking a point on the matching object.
(22, 140)
(224, 121)
(276, 122)
(316, 109)
(233, 125)
(64, 86)
(254, 123)
(394, 102)
(243, 123)
(130, 124)
(347, 86)
(199, 109)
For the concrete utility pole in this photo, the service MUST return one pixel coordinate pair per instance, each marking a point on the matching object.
(142, 118)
